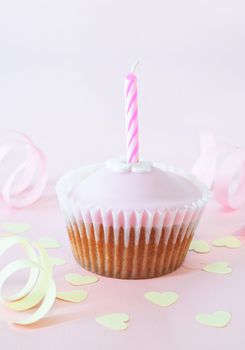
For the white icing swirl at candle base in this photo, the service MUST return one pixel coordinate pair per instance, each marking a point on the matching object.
(119, 165)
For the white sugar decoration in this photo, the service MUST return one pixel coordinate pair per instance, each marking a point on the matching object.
(121, 168)
(119, 165)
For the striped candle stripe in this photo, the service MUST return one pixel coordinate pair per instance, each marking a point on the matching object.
(131, 118)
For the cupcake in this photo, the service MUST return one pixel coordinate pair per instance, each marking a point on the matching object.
(128, 218)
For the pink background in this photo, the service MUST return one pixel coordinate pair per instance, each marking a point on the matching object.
(62, 66)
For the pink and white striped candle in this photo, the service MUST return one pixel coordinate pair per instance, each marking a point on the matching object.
(132, 117)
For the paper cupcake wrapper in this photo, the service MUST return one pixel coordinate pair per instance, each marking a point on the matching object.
(131, 261)
(104, 239)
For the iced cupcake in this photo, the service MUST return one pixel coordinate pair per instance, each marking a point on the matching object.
(129, 218)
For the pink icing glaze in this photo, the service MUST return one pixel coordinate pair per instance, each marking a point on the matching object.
(140, 191)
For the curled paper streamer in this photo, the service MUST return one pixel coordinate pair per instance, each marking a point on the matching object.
(222, 168)
(25, 184)
(7, 243)
(40, 287)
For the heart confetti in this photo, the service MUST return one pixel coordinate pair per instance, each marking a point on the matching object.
(199, 246)
(49, 242)
(115, 322)
(162, 299)
(75, 296)
(58, 261)
(220, 267)
(217, 319)
(78, 280)
(228, 242)
(16, 227)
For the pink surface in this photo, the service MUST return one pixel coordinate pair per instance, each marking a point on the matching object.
(62, 67)
(73, 326)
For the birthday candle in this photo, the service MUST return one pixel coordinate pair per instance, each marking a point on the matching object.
(132, 117)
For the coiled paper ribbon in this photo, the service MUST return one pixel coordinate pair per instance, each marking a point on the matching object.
(25, 184)
(40, 286)
(222, 168)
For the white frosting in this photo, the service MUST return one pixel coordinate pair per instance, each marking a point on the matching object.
(119, 165)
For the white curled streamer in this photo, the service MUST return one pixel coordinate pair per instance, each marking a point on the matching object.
(7, 243)
(40, 286)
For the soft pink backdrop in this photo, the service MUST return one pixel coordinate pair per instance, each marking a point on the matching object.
(62, 66)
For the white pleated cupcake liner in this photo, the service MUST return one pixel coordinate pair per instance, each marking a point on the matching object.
(134, 260)
(159, 219)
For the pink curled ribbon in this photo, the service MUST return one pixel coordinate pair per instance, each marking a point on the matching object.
(24, 184)
(222, 168)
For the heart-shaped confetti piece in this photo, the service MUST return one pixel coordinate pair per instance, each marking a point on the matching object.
(220, 267)
(57, 261)
(115, 322)
(48, 242)
(74, 296)
(162, 299)
(229, 242)
(199, 246)
(78, 280)
(16, 228)
(217, 319)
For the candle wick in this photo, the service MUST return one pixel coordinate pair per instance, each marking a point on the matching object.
(134, 66)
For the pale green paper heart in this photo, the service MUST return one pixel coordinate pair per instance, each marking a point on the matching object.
(78, 280)
(228, 241)
(49, 242)
(162, 299)
(16, 228)
(57, 261)
(217, 319)
(74, 296)
(115, 322)
(220, 267)
(199, 246)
